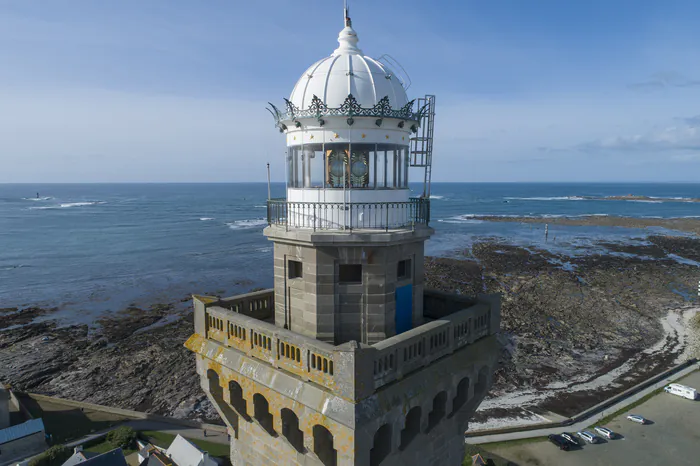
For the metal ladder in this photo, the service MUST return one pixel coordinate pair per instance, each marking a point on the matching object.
(422, 142)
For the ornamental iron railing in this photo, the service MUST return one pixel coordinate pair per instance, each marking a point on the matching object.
(349, 215)
(350, 108)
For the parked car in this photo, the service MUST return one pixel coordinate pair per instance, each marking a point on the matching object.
(605, 432)
(588, 436)
(637, 418)
(681, 390)
(569, 437)
(559, 441)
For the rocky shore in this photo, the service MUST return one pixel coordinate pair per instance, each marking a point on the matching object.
(569, 323)
(690, 225)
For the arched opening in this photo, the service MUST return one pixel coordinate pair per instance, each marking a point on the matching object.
(481, 382)
(462, 395)
(217, 393)
(412, 428)
(290, 429)
(439, 408)
(381, 446)
(323, 446)
(262, 413)
(237, 401)
(215, 385)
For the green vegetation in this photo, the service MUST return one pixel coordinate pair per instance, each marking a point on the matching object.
(472, 450)
(629, 407)
(65, 423)
(103, 446)
(54, 456)
(164, 440)
(122, 437)
(486, 449)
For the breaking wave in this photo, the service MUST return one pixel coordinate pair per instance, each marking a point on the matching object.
(245, 224)
(553, 198)
(48, 198)
(206, 219)
(68, 205)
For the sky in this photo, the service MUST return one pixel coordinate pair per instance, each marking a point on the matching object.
(175, 90)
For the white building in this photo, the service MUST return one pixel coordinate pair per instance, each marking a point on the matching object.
(183, 453)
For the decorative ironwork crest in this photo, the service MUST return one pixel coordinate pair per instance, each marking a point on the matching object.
(383, 107)
(318, 107)
(350, 106)
(292, 110)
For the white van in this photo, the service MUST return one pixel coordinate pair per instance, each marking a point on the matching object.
(681, 390)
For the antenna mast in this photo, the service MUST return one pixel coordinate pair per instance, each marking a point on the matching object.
(346, 14)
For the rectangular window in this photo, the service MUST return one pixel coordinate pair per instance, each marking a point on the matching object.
(294, 269)
(403, 271)
(350, 273)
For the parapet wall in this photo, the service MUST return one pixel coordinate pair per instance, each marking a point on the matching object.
(351, 371)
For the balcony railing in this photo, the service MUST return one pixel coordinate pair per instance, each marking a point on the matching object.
(349, 215)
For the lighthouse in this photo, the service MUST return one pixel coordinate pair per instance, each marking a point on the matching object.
(349, 360)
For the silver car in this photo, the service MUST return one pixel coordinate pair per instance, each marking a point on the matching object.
(587, 436)
(605, 432)
(637, 418)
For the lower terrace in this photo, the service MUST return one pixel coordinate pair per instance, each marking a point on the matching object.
(246, 323)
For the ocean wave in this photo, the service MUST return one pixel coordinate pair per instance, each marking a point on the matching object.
(553, 198)
(12, 267)
(459, 220)
(245, 224)
(48, 198)
(480, 216)
(433, 196)
(260, 207)
(206, 219)
(68, 205)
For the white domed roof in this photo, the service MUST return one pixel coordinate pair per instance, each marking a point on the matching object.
(348, 71)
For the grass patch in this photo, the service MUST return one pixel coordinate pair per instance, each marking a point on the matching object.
(104, 446)
(512, 443)
(486, 450)
(621, 411)
(164, 440)
(66, 423)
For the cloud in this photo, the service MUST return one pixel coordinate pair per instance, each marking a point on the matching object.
(663, 81)
(682, 138)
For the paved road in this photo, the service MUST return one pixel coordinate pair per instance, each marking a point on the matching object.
(585, 423)
(673, 438)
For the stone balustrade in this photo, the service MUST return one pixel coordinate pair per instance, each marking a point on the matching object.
(236, 323)
(409, 351)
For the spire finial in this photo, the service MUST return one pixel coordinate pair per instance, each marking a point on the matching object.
(346, 13)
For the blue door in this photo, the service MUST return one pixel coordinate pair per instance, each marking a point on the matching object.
(404, 309)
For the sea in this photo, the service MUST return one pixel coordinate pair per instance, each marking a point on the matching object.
(86, 250)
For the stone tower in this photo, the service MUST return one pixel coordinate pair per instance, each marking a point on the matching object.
(348, 360)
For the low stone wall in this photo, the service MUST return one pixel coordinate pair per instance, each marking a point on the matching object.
(582, 416)
(128, 413)
(17, 403)
(338, 368)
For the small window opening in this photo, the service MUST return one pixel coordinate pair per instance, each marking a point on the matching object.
(350, 273)
(294, 269)
(403, 270)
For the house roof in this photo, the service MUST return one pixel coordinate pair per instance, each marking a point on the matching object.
(478, 460)
(79, 457)
(159, 459)
(26, 429)
(111, 458)
(184, 453)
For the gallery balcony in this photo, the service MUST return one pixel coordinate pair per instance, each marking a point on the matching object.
(349, 215)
